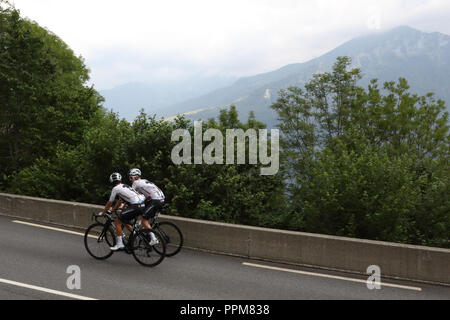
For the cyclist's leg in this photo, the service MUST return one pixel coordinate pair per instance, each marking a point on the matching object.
(152, 207)
(119, 241)
(146, 224)
(124, 218)
(129, 214)
(147, 213)
(118, 224)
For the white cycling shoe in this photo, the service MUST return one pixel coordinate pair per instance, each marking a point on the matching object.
(117, 247)
(154, 242)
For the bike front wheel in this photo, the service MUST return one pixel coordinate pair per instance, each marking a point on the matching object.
(98, 241)
(146, 254)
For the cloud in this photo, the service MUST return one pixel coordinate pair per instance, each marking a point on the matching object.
(142, 39)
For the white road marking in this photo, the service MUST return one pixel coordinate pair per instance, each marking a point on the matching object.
(59, 293)
(51, 228)
(329, 276)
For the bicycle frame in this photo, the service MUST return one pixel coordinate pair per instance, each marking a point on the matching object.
(110, 224)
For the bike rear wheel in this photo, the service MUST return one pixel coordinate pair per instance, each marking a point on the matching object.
(143, 252)
(98, 241)
(172, 235)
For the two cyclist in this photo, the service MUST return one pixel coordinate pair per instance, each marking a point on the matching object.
(142, 199)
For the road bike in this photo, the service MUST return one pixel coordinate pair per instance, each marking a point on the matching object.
(100, 237)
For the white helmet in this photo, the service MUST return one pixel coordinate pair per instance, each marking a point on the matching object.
(115, 177)
(135, 172)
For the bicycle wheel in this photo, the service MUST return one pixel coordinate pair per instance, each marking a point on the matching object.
(172, 236)
(98, 240)
(143, 252)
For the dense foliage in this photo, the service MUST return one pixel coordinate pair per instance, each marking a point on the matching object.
(44, 99)
(362, 162)
(368, 163)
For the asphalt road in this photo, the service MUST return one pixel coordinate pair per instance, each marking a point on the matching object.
(34, 261)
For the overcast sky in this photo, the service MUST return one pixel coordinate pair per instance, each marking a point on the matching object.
(146, 40)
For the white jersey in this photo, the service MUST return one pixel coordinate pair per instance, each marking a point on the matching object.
(126, 194)
(148, 189)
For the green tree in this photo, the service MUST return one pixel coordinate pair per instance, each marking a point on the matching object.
(43, 93)
(367, 163)
(228, 193)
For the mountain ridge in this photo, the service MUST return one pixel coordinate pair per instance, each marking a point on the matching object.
(128, 98)
(422, 58)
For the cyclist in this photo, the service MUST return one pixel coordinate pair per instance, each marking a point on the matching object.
(154, 196)
(135, 205)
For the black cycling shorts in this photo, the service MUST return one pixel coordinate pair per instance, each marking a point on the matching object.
(151, 208)
(130, 213)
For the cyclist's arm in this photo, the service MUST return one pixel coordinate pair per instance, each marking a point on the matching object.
(118, 204)
(107, 207)
(110, 202)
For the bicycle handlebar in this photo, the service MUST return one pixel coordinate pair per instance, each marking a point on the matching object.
(96, 216)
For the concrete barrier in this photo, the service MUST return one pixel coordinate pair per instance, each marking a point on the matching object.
(399, 261)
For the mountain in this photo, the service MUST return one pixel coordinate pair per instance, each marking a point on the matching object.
(422, 58)
(129, 98)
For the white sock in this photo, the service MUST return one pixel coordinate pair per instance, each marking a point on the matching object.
(152, 235)
(119, 241)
